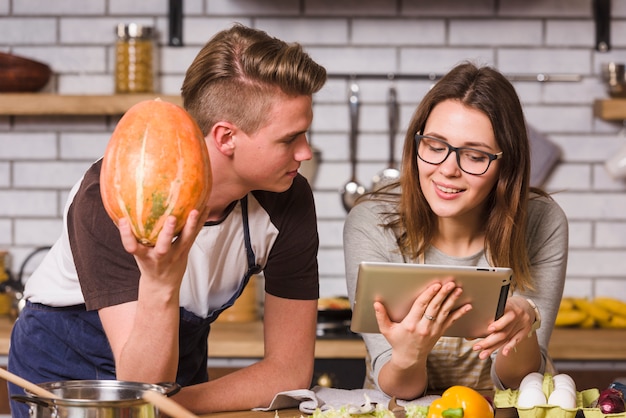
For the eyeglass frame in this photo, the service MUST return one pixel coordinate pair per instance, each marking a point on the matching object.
(492, 157)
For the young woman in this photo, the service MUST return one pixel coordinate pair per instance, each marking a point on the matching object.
(463, 198)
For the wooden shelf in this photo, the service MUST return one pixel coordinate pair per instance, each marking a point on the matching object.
(40, 104)
(610, 109)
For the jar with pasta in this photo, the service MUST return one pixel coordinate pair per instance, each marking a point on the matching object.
(134, 59)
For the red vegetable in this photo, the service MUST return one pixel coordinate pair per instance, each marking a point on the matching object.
(611, 401)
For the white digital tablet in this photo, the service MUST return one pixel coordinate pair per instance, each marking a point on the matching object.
(397, 285)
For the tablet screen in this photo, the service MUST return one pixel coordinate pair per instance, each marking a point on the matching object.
(397, 285)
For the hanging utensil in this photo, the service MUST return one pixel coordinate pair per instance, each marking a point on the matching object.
(352, 190)
(390, 173)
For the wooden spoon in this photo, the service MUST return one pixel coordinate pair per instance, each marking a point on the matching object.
(167, 405)
(25, 384)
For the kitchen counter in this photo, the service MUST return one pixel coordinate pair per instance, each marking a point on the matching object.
(245, 340)
(234, 340)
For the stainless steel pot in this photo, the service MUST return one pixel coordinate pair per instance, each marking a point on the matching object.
(96, 399)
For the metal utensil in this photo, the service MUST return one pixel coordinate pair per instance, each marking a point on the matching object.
(352, 190)
(391, 172)
(95, 398)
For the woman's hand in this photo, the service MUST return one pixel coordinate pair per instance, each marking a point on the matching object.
(413, 338)
(431, 314)
(509, 330)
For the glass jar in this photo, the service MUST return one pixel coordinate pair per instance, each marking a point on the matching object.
(134, 58)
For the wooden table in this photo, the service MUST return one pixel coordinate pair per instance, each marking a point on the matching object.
(283, 413)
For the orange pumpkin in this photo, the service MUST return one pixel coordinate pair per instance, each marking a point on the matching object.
(156, 164)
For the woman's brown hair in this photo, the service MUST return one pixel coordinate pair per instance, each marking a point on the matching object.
(487, 90)
(238, 74)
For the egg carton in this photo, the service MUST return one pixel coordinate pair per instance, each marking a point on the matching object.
(508, 399)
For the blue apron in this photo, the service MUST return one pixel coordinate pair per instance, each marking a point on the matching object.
(69, 343)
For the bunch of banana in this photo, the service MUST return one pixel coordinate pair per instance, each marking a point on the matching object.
(603, 312)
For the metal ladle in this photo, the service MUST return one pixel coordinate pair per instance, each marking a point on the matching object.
(352, 190)
(390, 173)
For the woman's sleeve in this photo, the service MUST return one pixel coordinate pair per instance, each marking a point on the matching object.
(547, 242)
(364, 239)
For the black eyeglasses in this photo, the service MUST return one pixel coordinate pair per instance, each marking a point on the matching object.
(435, 151)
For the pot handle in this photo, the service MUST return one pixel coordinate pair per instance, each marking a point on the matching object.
(33, 400)
(170, 388)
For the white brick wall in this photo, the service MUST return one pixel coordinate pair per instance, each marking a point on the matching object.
(41, 157)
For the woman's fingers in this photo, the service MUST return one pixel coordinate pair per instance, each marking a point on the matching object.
(384, 323)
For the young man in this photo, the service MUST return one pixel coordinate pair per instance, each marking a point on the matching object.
(103, 306)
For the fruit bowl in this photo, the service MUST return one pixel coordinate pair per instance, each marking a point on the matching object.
(19, 74)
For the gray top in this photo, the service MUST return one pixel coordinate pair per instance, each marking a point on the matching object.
(452, 358)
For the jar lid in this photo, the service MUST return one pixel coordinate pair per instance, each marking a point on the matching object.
(134, 30)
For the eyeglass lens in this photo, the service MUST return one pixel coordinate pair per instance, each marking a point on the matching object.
(435, 151)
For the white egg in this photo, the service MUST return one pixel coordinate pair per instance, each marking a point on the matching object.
(530, 397)
(532, 379)
(564, 381)
(562, 397)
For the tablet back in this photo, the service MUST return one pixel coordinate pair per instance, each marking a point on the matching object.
(397, 285)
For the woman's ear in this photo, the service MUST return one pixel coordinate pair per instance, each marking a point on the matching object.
(224, 138)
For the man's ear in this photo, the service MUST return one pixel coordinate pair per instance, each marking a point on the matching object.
(224, 138)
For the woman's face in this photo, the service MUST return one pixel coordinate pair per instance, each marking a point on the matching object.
(451, 192)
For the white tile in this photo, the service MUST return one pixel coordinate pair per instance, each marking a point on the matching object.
(123, 7)
(610, 235)
(333, 262)
(59, 7)
(251, 7)
(585, 205)
(562, 8)
(49, 174)
(439, 60)
(446, 8)
(544, 60)
(356, 60)
(198, 30)
(5, 174)
(611, 287)
(6, 232)
(572, 119)
(28, 146)
(330, 233)
(618, 32)
(507, 32)
(398, 32)
(330, 287)
(349, 7)
(306, 31)
(603, 181)
(575, 287)
(595, 263)
(83, 146)
(28, 31)
(22, 203)
(580, 234)
(36, 231)
(571, 33)
(69, 58)
(570, 177)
